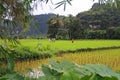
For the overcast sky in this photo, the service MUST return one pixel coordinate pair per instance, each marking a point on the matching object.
(77, 6)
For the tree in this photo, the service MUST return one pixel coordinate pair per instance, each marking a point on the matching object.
(73, 26)
(54, 25)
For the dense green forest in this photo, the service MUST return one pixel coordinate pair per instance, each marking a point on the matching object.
(100, 22)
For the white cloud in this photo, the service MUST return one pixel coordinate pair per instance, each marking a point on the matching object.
(77, 6)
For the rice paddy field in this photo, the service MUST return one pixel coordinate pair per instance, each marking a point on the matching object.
(109, 57)
(68, 45)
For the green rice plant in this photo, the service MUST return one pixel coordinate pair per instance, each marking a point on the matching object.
(68, 45)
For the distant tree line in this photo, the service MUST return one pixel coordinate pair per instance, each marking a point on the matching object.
(100, 22)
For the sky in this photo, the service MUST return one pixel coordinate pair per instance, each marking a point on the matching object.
(77, 7)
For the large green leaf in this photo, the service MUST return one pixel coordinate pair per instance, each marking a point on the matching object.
(62, 66)
(12, 76)
(11, 62)
(63, 2)
(69, 76)
(47, 78)
(49, 72)
(99, 69)
(69, 71)
(97, 77)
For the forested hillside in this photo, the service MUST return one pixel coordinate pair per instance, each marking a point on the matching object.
(101, 21)
(38, 25)
(101, 16)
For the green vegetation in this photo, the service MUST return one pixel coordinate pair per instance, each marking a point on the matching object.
(66, 70)
(100, 22)
(39, 49)
(68, 45)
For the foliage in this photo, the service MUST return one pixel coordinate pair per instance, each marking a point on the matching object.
(101, 21)
(95, 34)
(66, 70)
(113, 33)
(97, 23)
(65, 28)
(74, 29)
(54, 25)
(12, 76)
(12, 14)
(100, 18)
